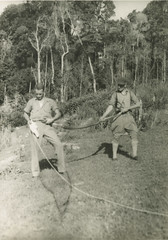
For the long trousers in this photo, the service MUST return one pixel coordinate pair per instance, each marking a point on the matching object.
(50, 135)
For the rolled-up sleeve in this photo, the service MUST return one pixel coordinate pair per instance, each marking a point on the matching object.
(134, 99)
(113, 100)
(28, 107)
(54, 106)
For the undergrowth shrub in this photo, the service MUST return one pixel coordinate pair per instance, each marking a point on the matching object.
(11, 112)
(90, 106)
(154, 98)
(16, 119)
(85, 105)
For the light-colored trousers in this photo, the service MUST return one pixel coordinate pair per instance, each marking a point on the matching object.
(50, 135)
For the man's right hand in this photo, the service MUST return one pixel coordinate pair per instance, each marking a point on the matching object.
(124, 110)
(101, 119)
(43, 120)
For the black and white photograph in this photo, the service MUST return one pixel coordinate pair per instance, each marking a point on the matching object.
(84, 120)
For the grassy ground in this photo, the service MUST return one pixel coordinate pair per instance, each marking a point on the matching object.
(48, 208)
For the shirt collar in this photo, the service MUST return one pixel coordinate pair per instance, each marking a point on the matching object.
(124, 91)
(44, 99)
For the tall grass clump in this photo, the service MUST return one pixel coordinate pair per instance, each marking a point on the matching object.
(154, 99)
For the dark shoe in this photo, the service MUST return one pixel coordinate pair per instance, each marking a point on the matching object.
(135, 158)
(114, 159)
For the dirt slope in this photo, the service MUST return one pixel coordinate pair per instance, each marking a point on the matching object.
(48, 208)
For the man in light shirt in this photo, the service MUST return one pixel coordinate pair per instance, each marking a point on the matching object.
(40, 112)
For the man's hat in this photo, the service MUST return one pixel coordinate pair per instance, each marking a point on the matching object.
(121, 82)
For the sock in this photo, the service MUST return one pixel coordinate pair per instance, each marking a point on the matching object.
(115, 148)
(134, 148)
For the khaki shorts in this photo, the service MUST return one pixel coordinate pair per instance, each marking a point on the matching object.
(124, 123)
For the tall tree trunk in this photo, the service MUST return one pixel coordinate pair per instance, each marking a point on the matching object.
(66, 78)
(65, 49)
(38, 57)
(63, 82)
(89, 59)
(136, 70)
(45, 79)
(146, 79)
(157, 72)
(52, 66)
(112, 72)
(143, 73)
(105, 30)
(93, 75)
(34, 74)
(66, 90)
(81, 80)
(122, 66)
(38, 44)
(62, 78)
(38, 67)
(29, 88)
(164, 66)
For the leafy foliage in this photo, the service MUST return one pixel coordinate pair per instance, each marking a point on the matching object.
(84, 105)
(76, 48)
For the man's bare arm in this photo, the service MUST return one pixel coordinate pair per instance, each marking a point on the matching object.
(108, 110)
(53, 119)
(27, 117)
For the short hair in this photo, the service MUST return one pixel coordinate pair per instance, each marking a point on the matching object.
(40, 86)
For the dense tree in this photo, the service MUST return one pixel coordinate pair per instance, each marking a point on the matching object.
(157, 36)
(76, 47)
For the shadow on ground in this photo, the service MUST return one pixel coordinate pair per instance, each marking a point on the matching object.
(44, 164)
(56, 185)
(107, 147)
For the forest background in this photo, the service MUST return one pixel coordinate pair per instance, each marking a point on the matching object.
(79, 51)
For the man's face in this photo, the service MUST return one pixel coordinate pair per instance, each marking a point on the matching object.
(121, 87)
(39, 94)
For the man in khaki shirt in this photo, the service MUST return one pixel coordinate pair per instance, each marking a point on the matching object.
(121, 101)
(42, 112)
